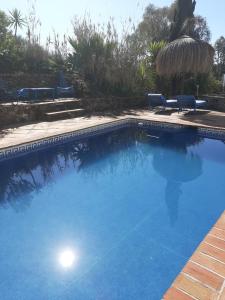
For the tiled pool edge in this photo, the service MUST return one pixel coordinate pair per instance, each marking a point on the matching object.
(21, 149)
(203, 277)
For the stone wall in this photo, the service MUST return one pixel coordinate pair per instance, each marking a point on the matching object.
(14, 114)
(113, 103)
(215, 102)
(17, 114)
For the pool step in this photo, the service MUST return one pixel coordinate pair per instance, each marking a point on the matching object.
(65, 114)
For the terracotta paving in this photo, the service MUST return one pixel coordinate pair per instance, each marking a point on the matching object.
(203, 277)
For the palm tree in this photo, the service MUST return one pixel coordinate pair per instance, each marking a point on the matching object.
(154, 49)
(16, 20)
(183, 10)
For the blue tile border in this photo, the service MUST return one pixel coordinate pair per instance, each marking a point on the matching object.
(22, 149)
(205, 132)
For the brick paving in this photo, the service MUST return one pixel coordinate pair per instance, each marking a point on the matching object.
(203, 277)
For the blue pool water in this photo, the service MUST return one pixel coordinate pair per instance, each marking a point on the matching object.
(111, 217)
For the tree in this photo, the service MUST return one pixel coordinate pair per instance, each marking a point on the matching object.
(197, 28)
(154, 27)
(147, 77)
(4, 23)
(107, 64)
(16, 20)
(93, 54)
(155, 82)
(160, 23)
(6, 43)
(183, 10)
(220, 56)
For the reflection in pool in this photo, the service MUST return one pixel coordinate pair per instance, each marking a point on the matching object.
(188, 167)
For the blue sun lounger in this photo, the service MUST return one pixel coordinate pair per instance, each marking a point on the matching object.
(35, 93)
(189, 101)
(155, 100)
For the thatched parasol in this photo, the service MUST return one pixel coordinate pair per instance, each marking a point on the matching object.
(185, 55)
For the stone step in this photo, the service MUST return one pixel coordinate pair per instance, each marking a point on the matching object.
(58, 105)
(64, 114)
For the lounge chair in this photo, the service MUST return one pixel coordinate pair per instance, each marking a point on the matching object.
(155, 100)
(189, 101)
(35, 93)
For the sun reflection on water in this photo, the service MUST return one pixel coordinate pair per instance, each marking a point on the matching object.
(68, 258)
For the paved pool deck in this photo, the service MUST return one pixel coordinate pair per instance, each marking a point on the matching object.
(203, 277)
(13, 136)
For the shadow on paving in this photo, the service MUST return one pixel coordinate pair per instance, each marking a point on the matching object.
(205, 117)
(166, 112)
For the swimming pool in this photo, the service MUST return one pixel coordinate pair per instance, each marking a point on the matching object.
(111, 216)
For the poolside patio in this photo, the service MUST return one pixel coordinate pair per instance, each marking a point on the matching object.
(26, 133)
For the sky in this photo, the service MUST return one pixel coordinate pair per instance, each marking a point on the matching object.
(57, 14)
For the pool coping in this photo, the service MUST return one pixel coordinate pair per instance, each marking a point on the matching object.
(41, 143)
(203, 277)
(197, 280)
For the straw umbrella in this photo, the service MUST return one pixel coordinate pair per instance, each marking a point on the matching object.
(185, 55)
